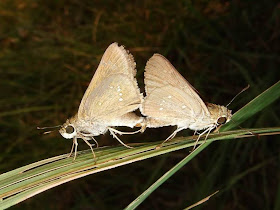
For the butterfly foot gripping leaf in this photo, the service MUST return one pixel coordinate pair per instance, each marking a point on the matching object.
(109, 100)
(171, 100)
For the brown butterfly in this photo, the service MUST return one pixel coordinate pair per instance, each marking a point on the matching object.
(171, 100)
(109, 100)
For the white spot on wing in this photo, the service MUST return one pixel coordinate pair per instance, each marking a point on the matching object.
(119, 88)
(183, 107)
(160, 108)
(169, 97)
(120, 94)
(120, 99)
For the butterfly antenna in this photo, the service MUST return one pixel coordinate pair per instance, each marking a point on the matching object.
(250, 132)
(47, 132)
(244, 89)
(50, 127)
(42, 128)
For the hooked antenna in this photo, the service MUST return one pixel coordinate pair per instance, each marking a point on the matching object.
(251, 132)
(238, 94)
(41, 128)
(47, 132)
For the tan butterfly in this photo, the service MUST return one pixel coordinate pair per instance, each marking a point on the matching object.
(109, 100)
(171, 100)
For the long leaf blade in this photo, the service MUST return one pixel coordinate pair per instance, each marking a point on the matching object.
(253, 107)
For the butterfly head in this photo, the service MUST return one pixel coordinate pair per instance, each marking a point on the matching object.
(220, 114)
(68, 130)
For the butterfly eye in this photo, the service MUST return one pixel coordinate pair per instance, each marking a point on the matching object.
(222, 120)
(69, 129)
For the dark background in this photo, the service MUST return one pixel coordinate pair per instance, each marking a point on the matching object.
(49, 51)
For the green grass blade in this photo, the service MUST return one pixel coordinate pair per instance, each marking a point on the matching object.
(166, 176)
(253, 107)
(22, 183)
(256, 105)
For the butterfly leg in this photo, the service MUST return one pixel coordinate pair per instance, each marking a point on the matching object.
(130, 120)
(142, 124)
(113, 131)
(171, 136)
(121, 132)
(217, 129)
(97, 145)
(208, 130)
(93, 153)
(195, 132)
(141, 130)
(76, 148)
(90, 137)
(71, 152)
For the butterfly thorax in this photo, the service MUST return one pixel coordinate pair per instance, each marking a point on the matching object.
(217, 115)
(75, 127)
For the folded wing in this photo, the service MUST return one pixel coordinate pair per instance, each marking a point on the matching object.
(112, 98)
(116, 60)
(169, 96)
(113, 89)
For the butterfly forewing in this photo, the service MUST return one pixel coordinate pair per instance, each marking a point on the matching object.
(112, 98)
(116, 60)
(160, 72)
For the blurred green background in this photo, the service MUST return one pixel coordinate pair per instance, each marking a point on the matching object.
(49, 51)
